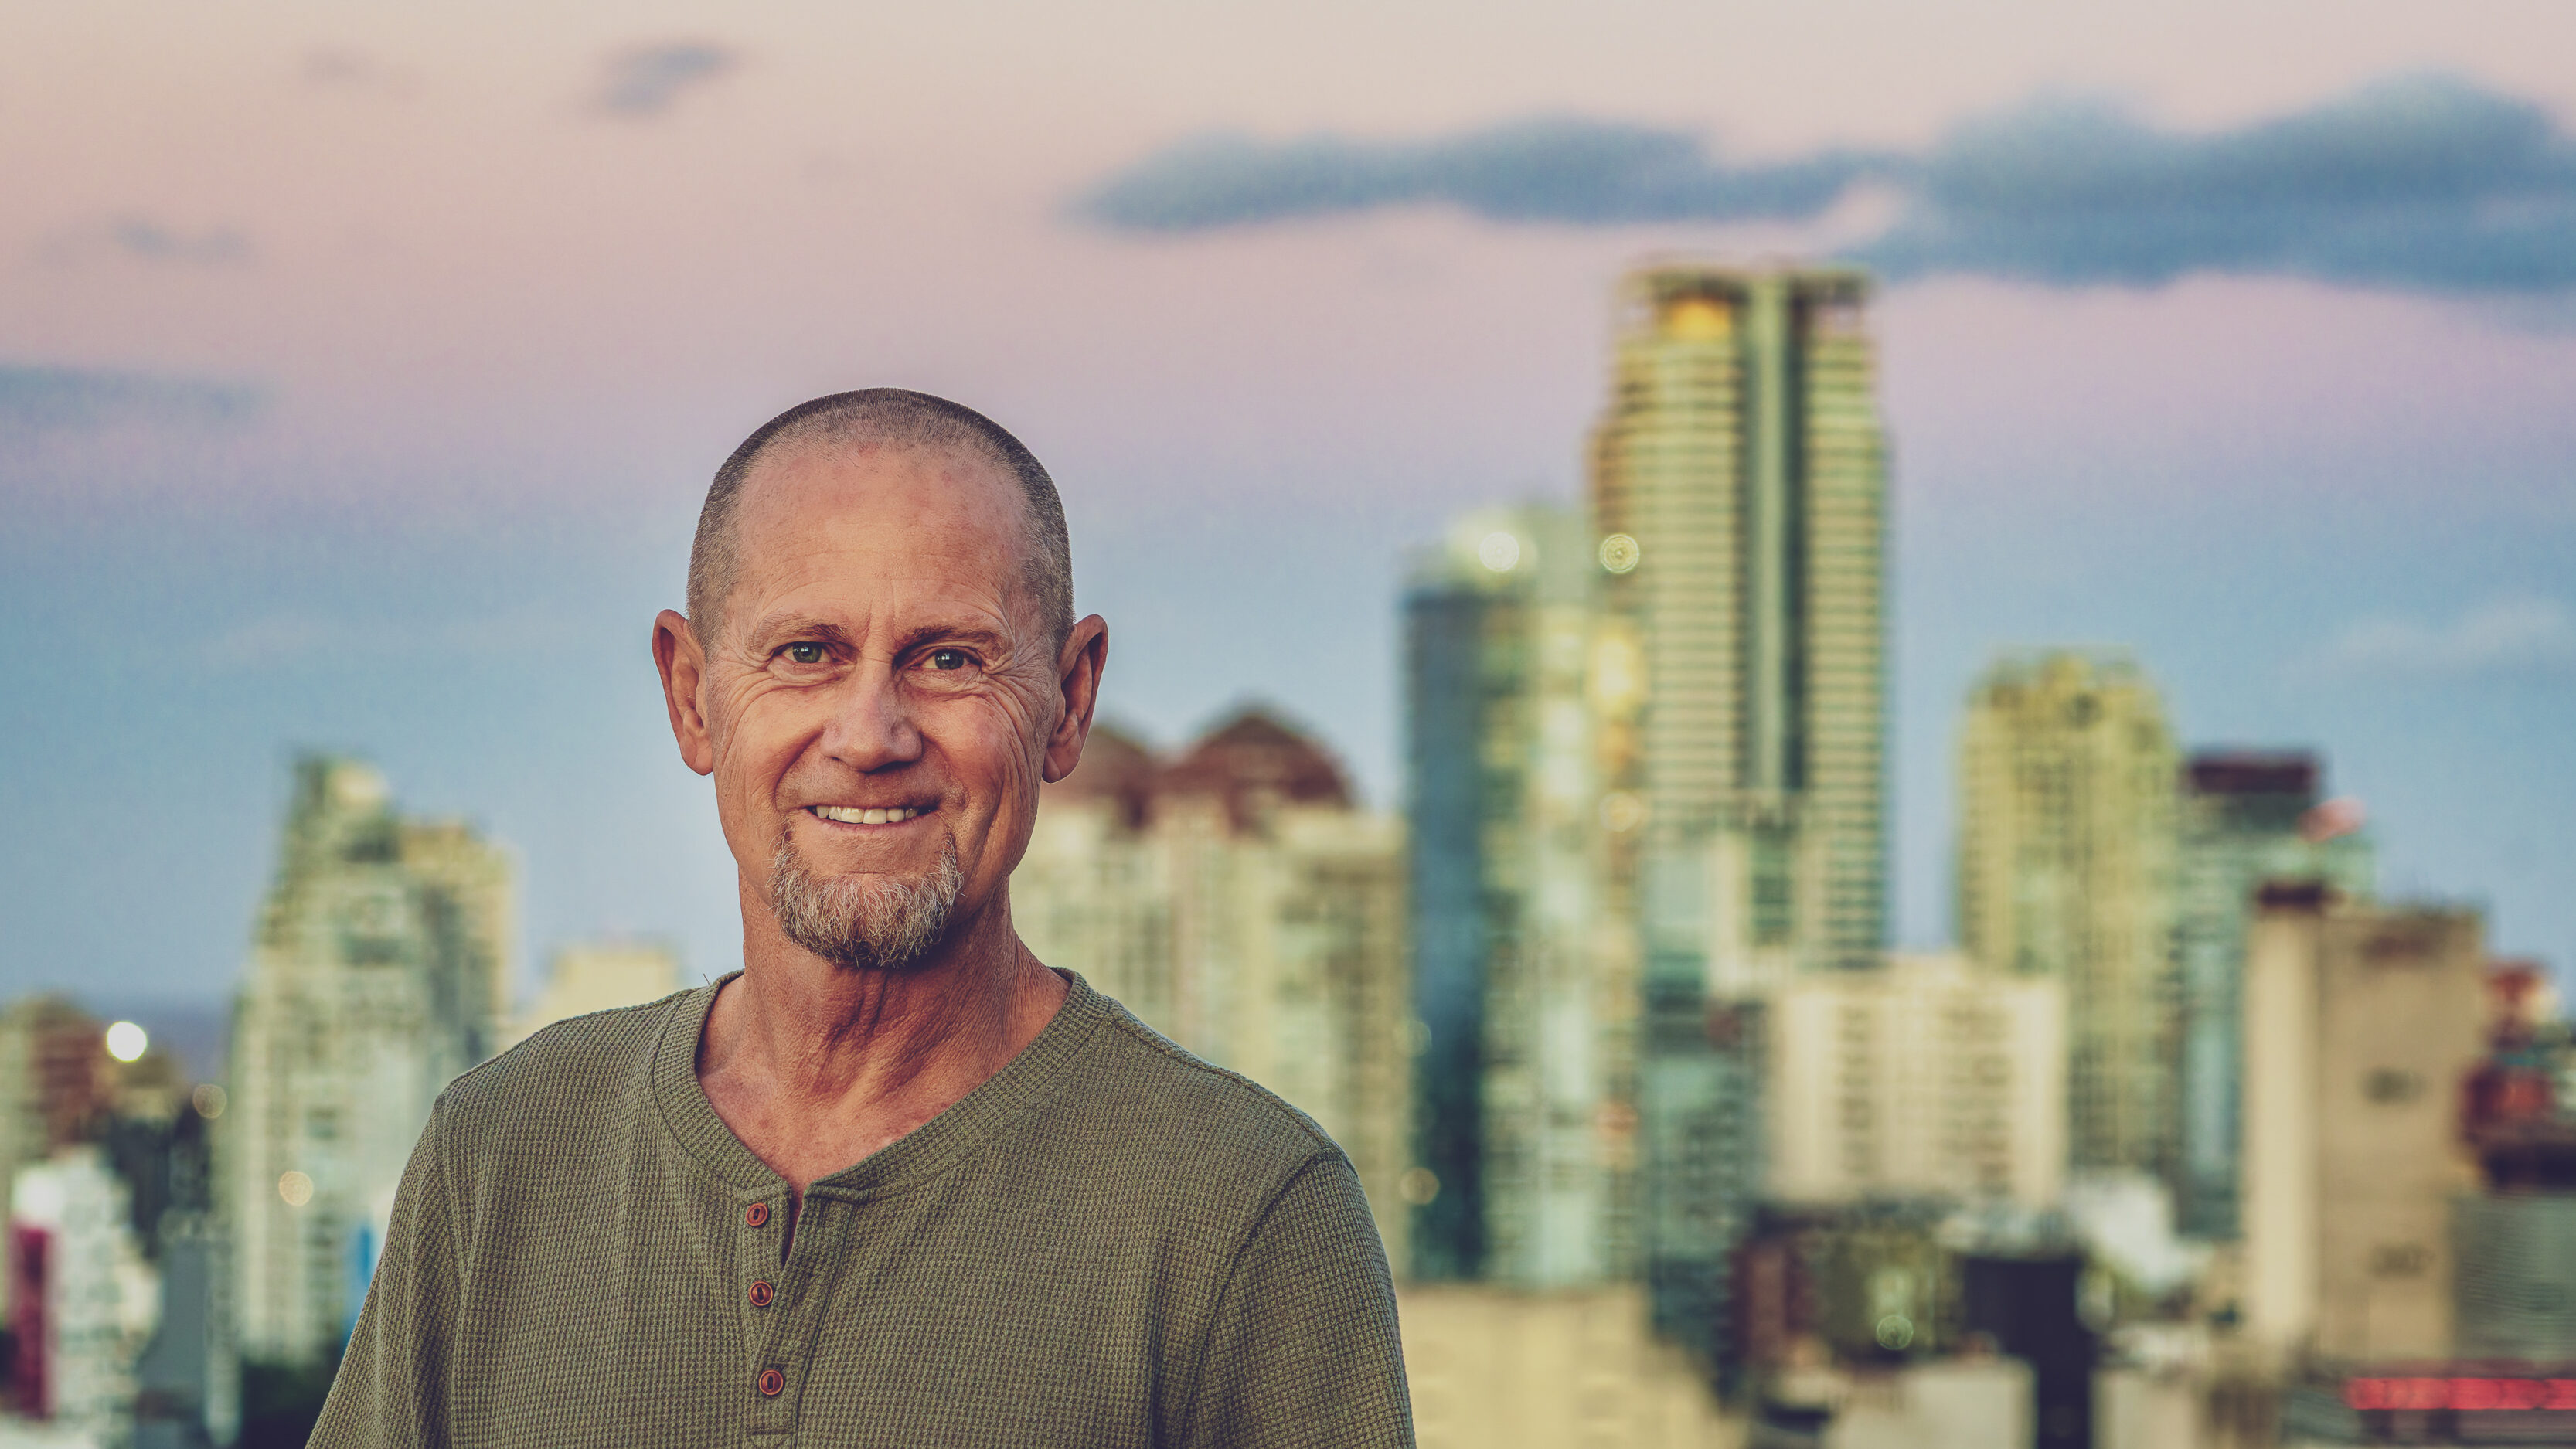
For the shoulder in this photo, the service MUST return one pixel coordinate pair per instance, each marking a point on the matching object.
(1214, 1123)
(570, 1075)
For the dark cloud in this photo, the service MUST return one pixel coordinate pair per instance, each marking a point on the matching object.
(147, 240)
(1573, 171)
(2423, 184)
(67, 399)
(648, 79)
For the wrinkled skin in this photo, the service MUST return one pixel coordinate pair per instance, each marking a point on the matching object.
(876, 651)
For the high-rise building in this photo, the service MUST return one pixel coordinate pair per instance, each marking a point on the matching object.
(2066, 869)
(1238, 900)
(378, 972)
(2361, 1025)
(1739, 509)
(1094, 893)
(1739, 495)
(2248, 817)
(187, 1380)
(1524, 978)
(1927, 1078)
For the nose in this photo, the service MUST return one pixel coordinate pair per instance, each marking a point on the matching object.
(871, 727)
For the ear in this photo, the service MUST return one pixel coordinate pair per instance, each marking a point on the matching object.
(1086, 653)
(683, 663)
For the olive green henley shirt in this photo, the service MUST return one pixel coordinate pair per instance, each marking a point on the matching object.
(1109, 1243)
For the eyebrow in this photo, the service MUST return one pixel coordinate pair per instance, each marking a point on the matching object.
(768, 634)
(968, 634)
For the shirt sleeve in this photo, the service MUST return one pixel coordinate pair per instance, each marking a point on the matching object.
(1303, 1352)
(393, 1384)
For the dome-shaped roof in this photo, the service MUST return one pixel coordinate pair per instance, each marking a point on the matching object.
(1253, 759)
(1115, 766)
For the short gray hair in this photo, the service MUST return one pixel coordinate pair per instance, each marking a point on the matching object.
(900, 418)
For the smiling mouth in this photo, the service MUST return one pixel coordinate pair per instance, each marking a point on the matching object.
(868, 815)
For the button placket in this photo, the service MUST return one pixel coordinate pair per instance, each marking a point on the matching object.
(786, 1330)
(770, 1372)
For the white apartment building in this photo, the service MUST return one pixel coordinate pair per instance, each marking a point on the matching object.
(378, 972)
(1925, 1077)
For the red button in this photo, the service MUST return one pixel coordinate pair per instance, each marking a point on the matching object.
(771, 1382)
(761, 1293)
(756, 1214)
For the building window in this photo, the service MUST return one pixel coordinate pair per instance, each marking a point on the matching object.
(1772, 913)
(2400, 1260)
(2392, 1086)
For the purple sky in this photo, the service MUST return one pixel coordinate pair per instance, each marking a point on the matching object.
(359, 370)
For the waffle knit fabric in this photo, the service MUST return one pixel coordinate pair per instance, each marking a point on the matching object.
(1109, 1243)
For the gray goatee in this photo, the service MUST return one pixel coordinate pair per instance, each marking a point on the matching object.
(864, 923)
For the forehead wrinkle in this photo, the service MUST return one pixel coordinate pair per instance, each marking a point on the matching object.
(815, 607)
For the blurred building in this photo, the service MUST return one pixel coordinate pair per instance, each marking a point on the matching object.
(57, 1082)
(379, 970)
(1868, 1284)
(2514, 1297)
(2514, 1240)
(2140, 1407)
(159, 1145)
(600, 976)
(2362, 1022)
(1239, 901)
(1738, 499)
(1973, 1401)
(1093, 893)
(1907, 1323)
(82, 1298)
(188, 1379)
(2030, 1304)
(1497, 1368)
(1523, 979)
(2247, 817)
(1739, 492)
(1928, 1077)
(2066, 870)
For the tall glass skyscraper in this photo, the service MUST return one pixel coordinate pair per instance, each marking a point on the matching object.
(1739, 510)
(1739, 490)
(1522, 985)
(2248, 818)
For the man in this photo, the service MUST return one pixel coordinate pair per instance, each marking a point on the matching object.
(895, 1182)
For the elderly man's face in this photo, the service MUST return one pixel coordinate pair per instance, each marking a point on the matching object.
(883, 699)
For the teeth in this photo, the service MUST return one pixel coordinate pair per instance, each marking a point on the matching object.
(872, 815)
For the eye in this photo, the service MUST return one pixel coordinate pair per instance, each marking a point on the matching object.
(947, 658)
(804, 651)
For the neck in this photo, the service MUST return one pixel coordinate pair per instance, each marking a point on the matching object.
(815, 1065)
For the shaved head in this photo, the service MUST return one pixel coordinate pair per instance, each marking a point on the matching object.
(887, 417)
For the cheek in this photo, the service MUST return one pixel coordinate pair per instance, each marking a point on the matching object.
(995, 733)
(756, 734)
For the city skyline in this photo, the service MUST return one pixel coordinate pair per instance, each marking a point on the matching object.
(373, 417)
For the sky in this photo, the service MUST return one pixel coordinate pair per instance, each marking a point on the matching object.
(361, 368)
